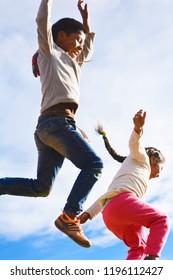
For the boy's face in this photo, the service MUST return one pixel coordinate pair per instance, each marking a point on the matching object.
(72, 44)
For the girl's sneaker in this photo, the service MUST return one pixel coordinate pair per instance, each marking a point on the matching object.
(149, 257)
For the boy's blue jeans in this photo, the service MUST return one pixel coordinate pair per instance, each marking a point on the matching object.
(57, 138)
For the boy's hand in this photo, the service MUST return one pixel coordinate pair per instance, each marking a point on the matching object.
(139, 120)
(85, 15)
(84, 217)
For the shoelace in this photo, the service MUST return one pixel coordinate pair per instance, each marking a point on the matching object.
(73, 225)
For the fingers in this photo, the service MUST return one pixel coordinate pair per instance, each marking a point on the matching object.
(84, 217)
(139, 120)
(140, 113)
(79, 4)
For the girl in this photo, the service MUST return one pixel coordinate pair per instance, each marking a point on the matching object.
(124, 212)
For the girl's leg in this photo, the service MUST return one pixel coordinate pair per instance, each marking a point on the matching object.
(136, 239)
(126, 214)
(132, 235)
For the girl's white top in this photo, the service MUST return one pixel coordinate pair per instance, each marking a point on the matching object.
(132, 176)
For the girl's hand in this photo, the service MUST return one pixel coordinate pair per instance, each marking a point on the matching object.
(84, 217)
(139, 121)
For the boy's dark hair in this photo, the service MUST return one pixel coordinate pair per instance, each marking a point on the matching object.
(68, 25)
(151, 151)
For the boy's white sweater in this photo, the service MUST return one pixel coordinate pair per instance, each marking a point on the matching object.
(59, 73)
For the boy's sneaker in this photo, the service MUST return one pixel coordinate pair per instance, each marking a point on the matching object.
(72, 228)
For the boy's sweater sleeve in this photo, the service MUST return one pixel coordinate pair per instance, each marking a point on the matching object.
(87, 52)
(44, 26)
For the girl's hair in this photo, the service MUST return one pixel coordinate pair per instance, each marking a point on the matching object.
(151, 151)
(112, 152)
(68, 25)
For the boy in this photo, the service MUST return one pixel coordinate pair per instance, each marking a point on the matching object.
(63, 49)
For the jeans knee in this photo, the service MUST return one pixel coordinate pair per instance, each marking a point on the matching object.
(43, 190)
(93, 167)
(97, 167)
(45, 193)
(97, 164)
(41, 193)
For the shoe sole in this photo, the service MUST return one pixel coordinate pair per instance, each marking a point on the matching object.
(72, 237)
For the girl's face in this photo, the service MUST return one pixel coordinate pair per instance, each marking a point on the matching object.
(72, 44)
(156, 167)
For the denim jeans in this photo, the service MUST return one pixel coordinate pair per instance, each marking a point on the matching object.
(58, 138)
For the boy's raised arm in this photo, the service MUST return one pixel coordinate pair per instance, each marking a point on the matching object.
(83, 8)
(44, 25)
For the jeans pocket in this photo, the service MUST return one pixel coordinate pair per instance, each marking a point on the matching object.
(50, 125)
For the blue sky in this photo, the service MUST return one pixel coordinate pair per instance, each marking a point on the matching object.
(131, 69)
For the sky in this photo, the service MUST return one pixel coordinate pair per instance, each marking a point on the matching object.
(131, 69)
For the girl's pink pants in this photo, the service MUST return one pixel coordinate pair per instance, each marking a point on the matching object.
(126, 216)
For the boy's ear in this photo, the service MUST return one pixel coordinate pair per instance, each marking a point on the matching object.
(61, 36)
